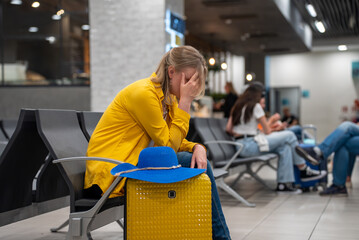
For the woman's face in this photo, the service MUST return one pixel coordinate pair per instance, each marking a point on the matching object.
(226, 88)
(176, 77)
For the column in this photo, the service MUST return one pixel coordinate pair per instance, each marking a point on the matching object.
(127, 41)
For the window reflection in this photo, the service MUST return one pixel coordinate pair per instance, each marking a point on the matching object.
(47, 45)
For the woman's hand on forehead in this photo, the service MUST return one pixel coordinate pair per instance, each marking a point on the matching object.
(194, 77)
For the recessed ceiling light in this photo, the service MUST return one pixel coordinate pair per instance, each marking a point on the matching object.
(311, 10)
(320, 26)
(51, 39)
(250, 76)
(35, 4)
(85, 27)
(33, 29)
(224, 66)
(342, 47)
(16, 2)
(60, 12)
(56, 17)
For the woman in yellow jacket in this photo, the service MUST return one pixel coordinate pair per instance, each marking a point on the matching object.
(155, 108)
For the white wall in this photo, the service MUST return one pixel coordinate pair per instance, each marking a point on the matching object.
(327, 76)
(238, 73)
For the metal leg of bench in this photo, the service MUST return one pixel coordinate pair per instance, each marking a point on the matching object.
(60, 227)
(261, 166)
(221, 184)
(256, 177)
(267, 163)
(237, 179)
(252, 174)
(272, 167)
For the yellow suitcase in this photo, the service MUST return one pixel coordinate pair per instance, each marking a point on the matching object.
(180, 210)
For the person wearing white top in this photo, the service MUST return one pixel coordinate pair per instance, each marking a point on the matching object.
(242, 124)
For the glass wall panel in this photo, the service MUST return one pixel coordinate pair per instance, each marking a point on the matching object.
(44, 42)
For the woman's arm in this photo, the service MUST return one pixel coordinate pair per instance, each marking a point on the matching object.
(273, 119)
(146, 109)
(263, 121)
(229, 126)
(199, 157)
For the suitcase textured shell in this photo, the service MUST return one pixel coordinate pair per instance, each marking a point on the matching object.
(177, 211)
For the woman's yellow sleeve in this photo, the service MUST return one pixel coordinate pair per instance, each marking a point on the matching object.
(145, 107)
(188, 146)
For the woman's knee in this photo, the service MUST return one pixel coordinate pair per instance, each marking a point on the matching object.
(184, 158)
(289, 136)
(346, 125)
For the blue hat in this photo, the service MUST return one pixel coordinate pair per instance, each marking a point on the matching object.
(156, 164)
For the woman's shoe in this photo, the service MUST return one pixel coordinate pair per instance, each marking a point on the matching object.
(334, 190)
(309, 154)
(309, 174)
(287, 188)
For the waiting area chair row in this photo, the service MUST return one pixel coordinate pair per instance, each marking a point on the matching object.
(223, 152)
(43, 137)
(29, 183)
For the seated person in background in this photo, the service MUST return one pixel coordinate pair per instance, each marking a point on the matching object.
(229, 100)
(344, 142)
(242, 124)
(289, 118)
(276, 124)
(274, 121)
(155, 108)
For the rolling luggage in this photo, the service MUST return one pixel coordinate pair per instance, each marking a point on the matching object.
(180, 210)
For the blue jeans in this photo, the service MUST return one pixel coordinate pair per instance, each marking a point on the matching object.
(344, 142)
(282, 143)
(297, 130)
(219, 227)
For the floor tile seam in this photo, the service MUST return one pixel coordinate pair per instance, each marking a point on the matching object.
(321, 215)
(266, 217)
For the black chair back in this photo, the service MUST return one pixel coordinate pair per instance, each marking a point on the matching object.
(61, 133)
(192, 134)
(19, 163)
(88, 121)
(203, 129)
(9, 127)
(219, 132)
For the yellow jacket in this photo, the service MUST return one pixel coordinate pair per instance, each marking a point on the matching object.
(133, 118)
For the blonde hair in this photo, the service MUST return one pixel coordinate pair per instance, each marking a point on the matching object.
(180, 58)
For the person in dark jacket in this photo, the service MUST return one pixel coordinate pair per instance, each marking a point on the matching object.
(229, 100)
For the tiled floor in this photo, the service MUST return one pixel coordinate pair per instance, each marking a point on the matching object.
(297, 217)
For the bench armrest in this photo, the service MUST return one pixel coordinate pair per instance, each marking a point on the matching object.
(70, 159)
(94, 210)
(234, 157)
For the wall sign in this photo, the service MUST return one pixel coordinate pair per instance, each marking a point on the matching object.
(355, 70)
(175, 27)
(305, 94)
